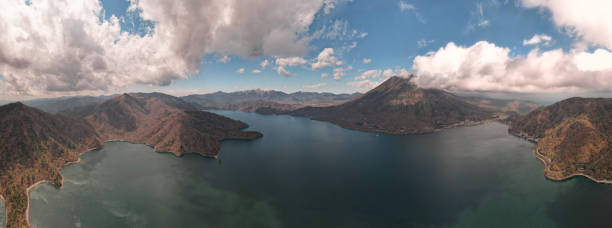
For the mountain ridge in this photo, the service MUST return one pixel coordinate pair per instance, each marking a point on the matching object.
(36, 144)
(573, 138)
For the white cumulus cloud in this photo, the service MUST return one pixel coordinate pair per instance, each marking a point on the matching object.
(326, 59)
(55, 46)
(240, 71)
(366, 61)
(487, 67)
(290, 61)
(589, 20)
(538, 38)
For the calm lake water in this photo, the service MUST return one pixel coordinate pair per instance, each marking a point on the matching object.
(306, 173)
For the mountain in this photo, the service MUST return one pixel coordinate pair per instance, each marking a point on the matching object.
(573, 136)
(398, 106)
(56, 105)
(166, 122)
(34, 146)
(251, 100)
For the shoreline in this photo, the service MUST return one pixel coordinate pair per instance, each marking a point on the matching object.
(28, 198)
(566, 177)
(546, 165)
(78, 161)
(5, 212)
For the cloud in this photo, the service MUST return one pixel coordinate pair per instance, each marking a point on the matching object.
(377, 73)
(372, 78)
(55, 46)
(538, 38)
(340, 30)
(256, 71)
(364, 85)
(423, 43)
(315, 86)
(590, 20)
(225, 59)
(369, 74)
(366, 61)
(483, 23)
(264, 64)
(329, 5)
(487, 67)
(282, 71)
(326, 59)
(339, 72)
(240, 71)
(403, 6)
(290, 61)
(324, 75)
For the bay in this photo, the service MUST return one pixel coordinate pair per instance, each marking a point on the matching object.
(306, 173)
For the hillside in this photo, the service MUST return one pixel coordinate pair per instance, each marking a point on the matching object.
(34, 146)
(573, 137)
(398, 106)
(166, 122)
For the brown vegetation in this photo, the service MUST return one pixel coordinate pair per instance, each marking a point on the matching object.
(398, 106)
(573, 137)
(34, 145)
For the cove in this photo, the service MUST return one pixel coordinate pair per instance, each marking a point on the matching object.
(306, 173)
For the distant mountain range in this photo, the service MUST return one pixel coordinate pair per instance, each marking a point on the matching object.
(251, 100)
(573, 136)
(398, 106)
(36, 144)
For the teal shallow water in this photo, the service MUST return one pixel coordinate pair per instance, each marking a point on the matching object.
(305, 173)
(2, 213)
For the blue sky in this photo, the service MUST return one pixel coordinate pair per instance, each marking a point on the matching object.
(181, 47)
(392, 41)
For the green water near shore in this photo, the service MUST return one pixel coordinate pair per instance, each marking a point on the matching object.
(2, 213)
(306, 173)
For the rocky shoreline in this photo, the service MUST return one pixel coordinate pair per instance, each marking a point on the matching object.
(551, 174)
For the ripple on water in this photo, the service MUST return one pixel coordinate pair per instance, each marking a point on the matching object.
(129, 185)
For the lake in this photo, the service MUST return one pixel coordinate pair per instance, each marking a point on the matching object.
(306, 173)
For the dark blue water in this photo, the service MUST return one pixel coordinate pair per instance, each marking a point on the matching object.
(305, 173)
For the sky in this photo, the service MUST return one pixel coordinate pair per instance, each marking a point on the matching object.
(516, 48)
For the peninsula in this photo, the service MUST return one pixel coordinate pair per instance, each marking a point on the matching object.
(36, 144)
(573, 136)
